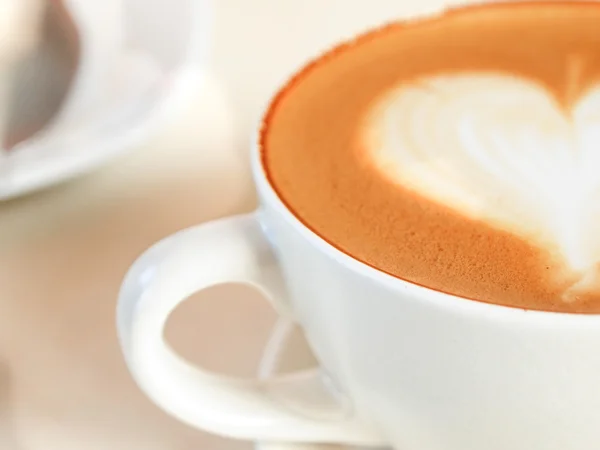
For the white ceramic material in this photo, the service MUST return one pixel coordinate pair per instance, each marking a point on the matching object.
(137, 60)
(287, 351)
(406, 366)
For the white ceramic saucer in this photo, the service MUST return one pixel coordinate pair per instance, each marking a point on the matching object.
(288, 351)
(138, 61)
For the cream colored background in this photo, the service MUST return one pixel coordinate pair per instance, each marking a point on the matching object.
(63, 252)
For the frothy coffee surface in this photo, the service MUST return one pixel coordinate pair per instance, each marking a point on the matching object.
(460, 152)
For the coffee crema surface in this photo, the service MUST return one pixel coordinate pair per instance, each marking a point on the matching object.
(460, 152)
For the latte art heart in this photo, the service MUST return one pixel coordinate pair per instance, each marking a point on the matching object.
(458, 151)
(500, 149)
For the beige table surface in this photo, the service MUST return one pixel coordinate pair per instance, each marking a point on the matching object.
(63, 252)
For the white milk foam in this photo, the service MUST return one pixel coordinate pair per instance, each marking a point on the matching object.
(500, 149)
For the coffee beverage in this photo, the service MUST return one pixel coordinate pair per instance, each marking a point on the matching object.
(460, 152)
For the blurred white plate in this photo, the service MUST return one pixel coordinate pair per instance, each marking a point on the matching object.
(135, 62)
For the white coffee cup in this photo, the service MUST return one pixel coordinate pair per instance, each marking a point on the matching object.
(402, 365)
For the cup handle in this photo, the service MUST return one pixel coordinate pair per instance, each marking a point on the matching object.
(293, 408)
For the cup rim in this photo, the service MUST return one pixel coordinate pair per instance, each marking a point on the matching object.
(268, 195)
